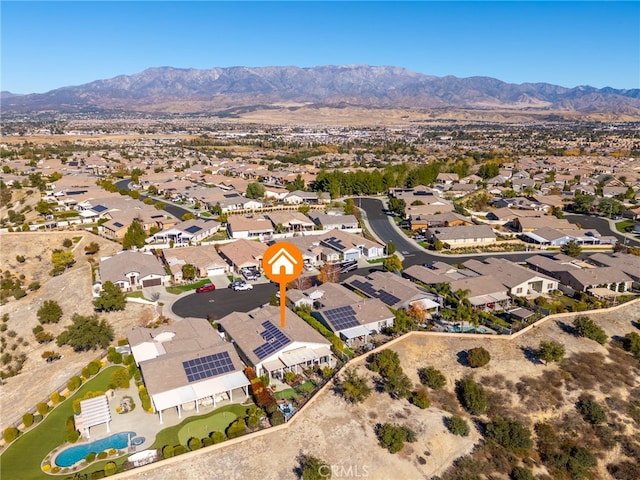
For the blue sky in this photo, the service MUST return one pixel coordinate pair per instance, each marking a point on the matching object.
(47, 45)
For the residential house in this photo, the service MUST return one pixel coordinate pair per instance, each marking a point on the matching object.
(187, 364)
(290, 222)
(243, 253)
(298, 197)
(351, 246)
(271, 349)
(448, 219)
(355, 322)
(447, 178)
(330, 222)
(131, 270)
(585, 279)
(257, 226)
(453, 237)
(520, 281)
(394, 291)
(205, 258)
(187, 232)
(625, 262)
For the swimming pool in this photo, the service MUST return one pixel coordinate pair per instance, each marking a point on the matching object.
(71, 455)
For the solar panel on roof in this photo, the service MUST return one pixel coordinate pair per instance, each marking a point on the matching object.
(118, 224)
(208, 366)
(367, 288)
(342, 317)
(193, 229)
(274, 340)
(99, 208)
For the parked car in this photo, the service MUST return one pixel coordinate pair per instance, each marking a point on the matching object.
(237, 282)
(250, 273)
(209, 287)
(242, 286)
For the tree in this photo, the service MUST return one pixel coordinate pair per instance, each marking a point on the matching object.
(111, 298)
(631, 343)
(489, 170)
(49, 312)
(478, 357)
(418, 312)
(86, 333)
(92, 248)
(397, 206)
(134, 237)
(255, 190)
(312, 468)
(189, 272)
(44, 208)
(591, 410)
(385, 362)
(392, 263)
(521, 473)
(61, 259)
(420, 398)
(458, 426)
(583, 203)
(510, 434)
(432, 378)
(585, 327)
(187, 216)
(571, 248)
(472, 396)
(329, 273)
(550, 351)
(67, 242)
(391, 248)
(120, 378)
(392, 437)
(398, 385)
(610, 207)
(353, 387)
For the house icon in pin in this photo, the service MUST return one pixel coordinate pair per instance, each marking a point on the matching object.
(282, 259)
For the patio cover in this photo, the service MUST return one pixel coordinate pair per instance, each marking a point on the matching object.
(485, 299)
(95, 411)
(298, 356)
(273, 365)
(207, 388)
(355, 332)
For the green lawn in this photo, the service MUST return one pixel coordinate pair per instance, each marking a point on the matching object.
(23, 457)
(203, 427)
(623, 225)
(288, 393)
(185, 288)
(170, 435)
(136, 294)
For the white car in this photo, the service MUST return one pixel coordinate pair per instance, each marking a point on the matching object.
(243, 286)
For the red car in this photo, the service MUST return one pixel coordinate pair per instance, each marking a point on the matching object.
(209, 287)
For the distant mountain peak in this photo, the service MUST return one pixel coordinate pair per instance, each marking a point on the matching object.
(189, 90)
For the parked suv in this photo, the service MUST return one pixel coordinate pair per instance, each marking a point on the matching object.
(242, 286)
(209, 287)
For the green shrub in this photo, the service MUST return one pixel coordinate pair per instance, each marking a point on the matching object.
(591, 410)
(521, 473)
(472, 396)
(458, 426)
(120, 378)
(218, 437)
(91, 456)
(432, 378)
(194, 443)
(392, 437)
(73, 383)
(510, 434)
(73, 436)
(9, 434)
(110, 468)
(589, 329)
(207, 441)
(237, 428)
(179, 450)
(420, 398)
(37, 418)
(632, 343)
(102, 455)
(43, 408)
(277, 418)
(167, 451)
(27, 419)
(55, 398)
(113, 356)
(478, 357)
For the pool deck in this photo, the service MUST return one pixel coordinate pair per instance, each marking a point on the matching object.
(144, 424)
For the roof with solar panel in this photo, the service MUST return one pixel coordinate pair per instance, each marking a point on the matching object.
(393, 290)
(368, 311)
(259, 336)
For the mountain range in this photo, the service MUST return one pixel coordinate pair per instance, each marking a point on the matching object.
(195, 91)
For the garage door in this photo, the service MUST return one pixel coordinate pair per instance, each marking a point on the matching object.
(215, 271)
(152, 282)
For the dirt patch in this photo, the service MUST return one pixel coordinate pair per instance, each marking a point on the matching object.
(72, 291)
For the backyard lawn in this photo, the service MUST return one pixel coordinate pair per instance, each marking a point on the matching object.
(203, 427)
(23, 457)
(624, 226)
(171, 435)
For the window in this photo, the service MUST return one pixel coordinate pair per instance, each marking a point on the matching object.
(519, 290)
